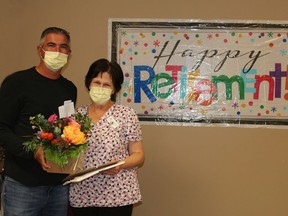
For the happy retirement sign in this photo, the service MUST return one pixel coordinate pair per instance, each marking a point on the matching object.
(197, 71)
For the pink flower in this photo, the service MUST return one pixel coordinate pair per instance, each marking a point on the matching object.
(52, 118)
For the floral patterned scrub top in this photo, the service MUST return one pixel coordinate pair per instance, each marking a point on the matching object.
(108, 141)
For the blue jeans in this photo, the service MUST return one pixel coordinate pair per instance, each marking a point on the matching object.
(22, 200)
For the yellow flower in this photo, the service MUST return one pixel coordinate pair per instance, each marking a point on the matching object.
(73, 134)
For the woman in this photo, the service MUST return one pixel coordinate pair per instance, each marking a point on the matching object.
(115, 135)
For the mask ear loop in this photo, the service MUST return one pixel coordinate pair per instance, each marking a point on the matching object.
(41, 48)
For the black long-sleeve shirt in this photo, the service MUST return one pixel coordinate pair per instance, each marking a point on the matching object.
(23, 94)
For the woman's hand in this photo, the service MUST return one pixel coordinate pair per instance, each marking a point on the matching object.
(136, 157)
(112, 171)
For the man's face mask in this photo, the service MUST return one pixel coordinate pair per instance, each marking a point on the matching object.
(55, 60)
(100, 95)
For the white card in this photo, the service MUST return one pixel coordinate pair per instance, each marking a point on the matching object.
(67, 109)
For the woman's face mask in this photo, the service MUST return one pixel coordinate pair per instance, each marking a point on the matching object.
(100, 95)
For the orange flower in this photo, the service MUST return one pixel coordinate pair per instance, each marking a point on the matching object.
(54, 142)
(74, 124)
(73, 134)
(47, 135)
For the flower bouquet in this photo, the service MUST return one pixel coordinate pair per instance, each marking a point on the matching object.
(62, 139)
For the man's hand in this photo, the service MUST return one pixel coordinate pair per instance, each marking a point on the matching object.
(40, 158)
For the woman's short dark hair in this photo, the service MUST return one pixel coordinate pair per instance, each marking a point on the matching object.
(103, 65)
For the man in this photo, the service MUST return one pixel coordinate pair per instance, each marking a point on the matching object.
(28, 189)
